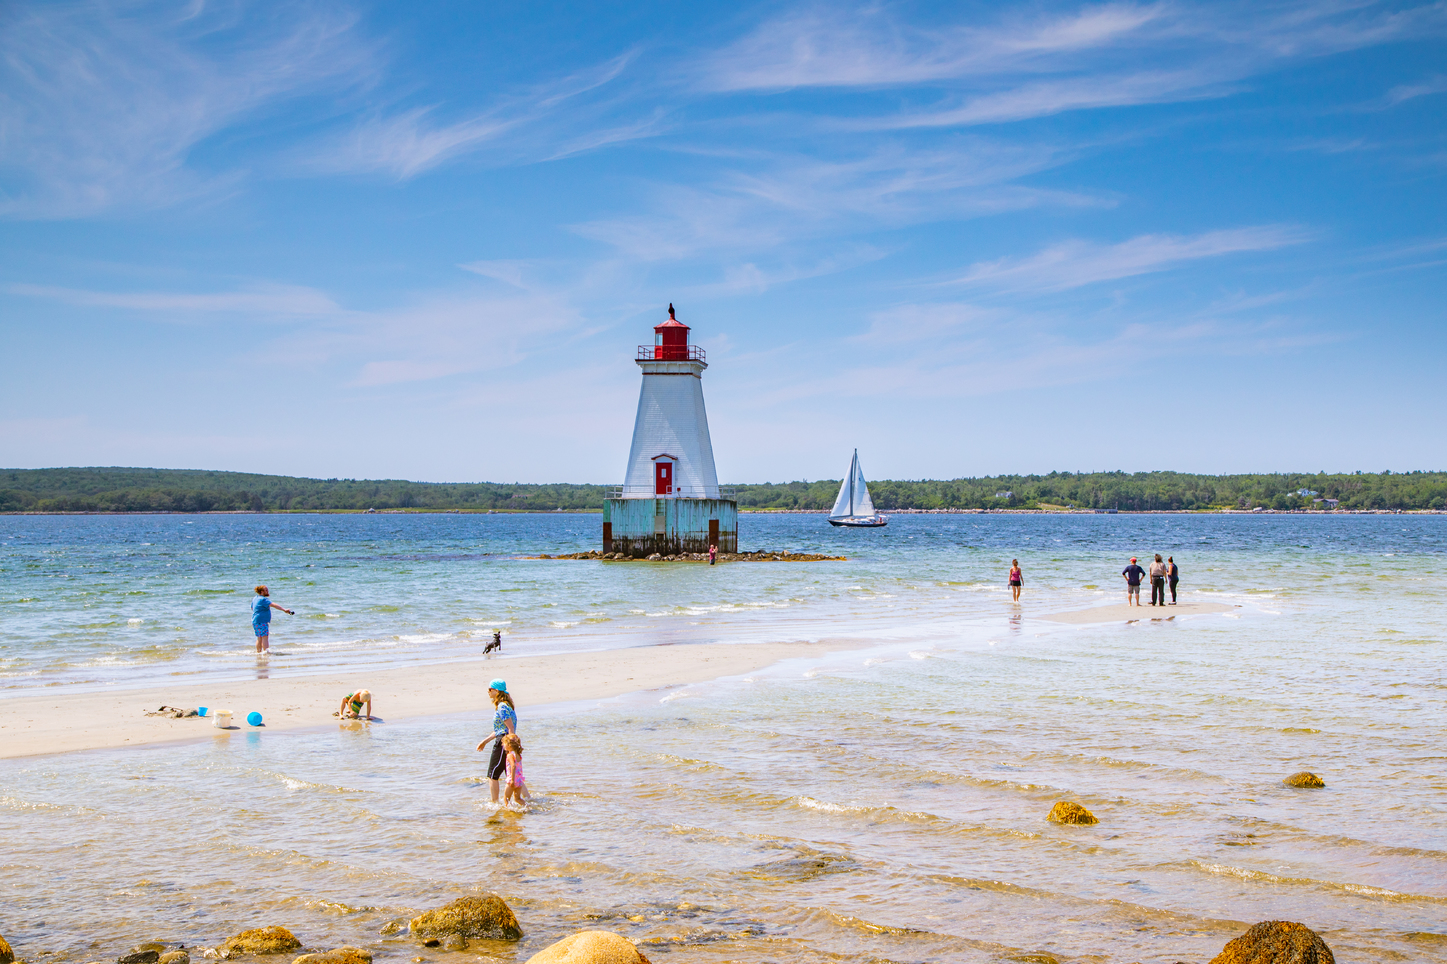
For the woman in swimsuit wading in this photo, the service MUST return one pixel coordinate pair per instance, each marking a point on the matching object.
(1016, 580)
(504, 723)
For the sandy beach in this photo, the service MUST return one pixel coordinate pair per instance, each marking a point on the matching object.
(1121, 613)
(62, 723)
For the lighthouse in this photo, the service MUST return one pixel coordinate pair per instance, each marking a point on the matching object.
(669, 502)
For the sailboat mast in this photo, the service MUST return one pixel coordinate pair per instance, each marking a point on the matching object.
(853, 471)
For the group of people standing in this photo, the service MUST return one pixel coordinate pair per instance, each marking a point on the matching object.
(1162, 574)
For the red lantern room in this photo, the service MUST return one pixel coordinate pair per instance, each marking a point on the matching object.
(670, 339)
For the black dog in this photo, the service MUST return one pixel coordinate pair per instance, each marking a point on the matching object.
(496, 642)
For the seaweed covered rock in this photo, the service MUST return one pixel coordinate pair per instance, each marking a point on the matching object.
(7, 956)
(141, 955)
(590, 947)
(341, 955)
(485, 917)
(1067, 812)
(260, 940)
(1305, 779)
(1276, 942)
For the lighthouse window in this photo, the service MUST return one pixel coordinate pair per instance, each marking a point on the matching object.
(658, 338)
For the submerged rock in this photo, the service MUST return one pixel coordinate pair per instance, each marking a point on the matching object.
(175, 957)
(1305, 779)
(139, 956)
(590, 947)
(1276, 942)
(470, 917)
(7, 956)
(260, 940)
(1067, 812)
(342, 955)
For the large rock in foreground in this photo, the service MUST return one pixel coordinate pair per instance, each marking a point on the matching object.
(470, 917)
(1276, 942)
(7, 956)
(1305, 779)
(590, 947)
(1067, 812)
(260, 940)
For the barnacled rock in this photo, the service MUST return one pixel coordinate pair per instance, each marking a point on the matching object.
(260, 940)
(342, 955)
(1067, 812)
(1305, 779)
(1276, 942)
(590, 947)
(146, 956)
(470, 917)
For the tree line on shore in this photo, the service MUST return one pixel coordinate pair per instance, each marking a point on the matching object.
(186, 490)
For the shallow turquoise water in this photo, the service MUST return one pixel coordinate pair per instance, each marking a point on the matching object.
(882, 804)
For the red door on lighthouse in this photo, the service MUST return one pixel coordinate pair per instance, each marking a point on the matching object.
(663, 477)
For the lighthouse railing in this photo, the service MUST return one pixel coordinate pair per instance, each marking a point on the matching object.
(676, 492)
(671, 353)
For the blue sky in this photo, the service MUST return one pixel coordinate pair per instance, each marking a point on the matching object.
(423, 240)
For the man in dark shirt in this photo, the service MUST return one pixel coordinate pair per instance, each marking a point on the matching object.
(1133, 575)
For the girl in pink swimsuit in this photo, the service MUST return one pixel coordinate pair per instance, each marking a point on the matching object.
(516, 788)
(1016, 580)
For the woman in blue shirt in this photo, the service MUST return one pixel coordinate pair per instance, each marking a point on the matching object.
(504, 723)
(261, 608)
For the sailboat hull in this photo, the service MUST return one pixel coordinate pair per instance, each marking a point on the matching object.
(859, 523)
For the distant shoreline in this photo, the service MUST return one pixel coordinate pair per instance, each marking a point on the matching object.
(1320, 513)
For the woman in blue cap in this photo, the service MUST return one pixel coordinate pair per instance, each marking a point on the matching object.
(504, 723)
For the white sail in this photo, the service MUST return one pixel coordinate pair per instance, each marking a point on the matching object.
(853, 501)
(842, 502)
(863, 505)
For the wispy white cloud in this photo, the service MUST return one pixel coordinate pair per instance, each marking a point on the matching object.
(434, 336)
(780, 200)
(870, 47)
(103, 105)
(270, 299)
(1073, 264)
(1405, 92)
(1026, 65)
(547, 121)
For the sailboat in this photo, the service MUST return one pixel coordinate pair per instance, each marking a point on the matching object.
(853, 507)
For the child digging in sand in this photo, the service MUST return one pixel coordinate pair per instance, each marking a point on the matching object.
(517, 790)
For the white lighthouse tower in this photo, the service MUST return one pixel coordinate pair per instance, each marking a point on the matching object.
(670, 502)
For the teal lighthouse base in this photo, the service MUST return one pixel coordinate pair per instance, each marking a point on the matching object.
(669, 526)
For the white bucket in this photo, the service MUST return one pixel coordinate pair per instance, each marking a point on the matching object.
(222, 719)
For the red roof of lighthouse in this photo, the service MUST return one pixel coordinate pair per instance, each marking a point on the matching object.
(672, 322)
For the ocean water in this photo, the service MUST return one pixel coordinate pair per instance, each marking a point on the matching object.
(883, 804)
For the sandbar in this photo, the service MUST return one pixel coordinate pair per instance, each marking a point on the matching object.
(1121, 613)
(63, 723)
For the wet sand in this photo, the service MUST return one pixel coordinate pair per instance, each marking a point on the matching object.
(1120, 612)
(62, 723)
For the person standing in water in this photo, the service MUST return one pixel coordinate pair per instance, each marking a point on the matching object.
(504, 724)
(712, 555)
(261, 608)
(1158, 582)
(1173, 576)
(1016, 580)
(1132, 574)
